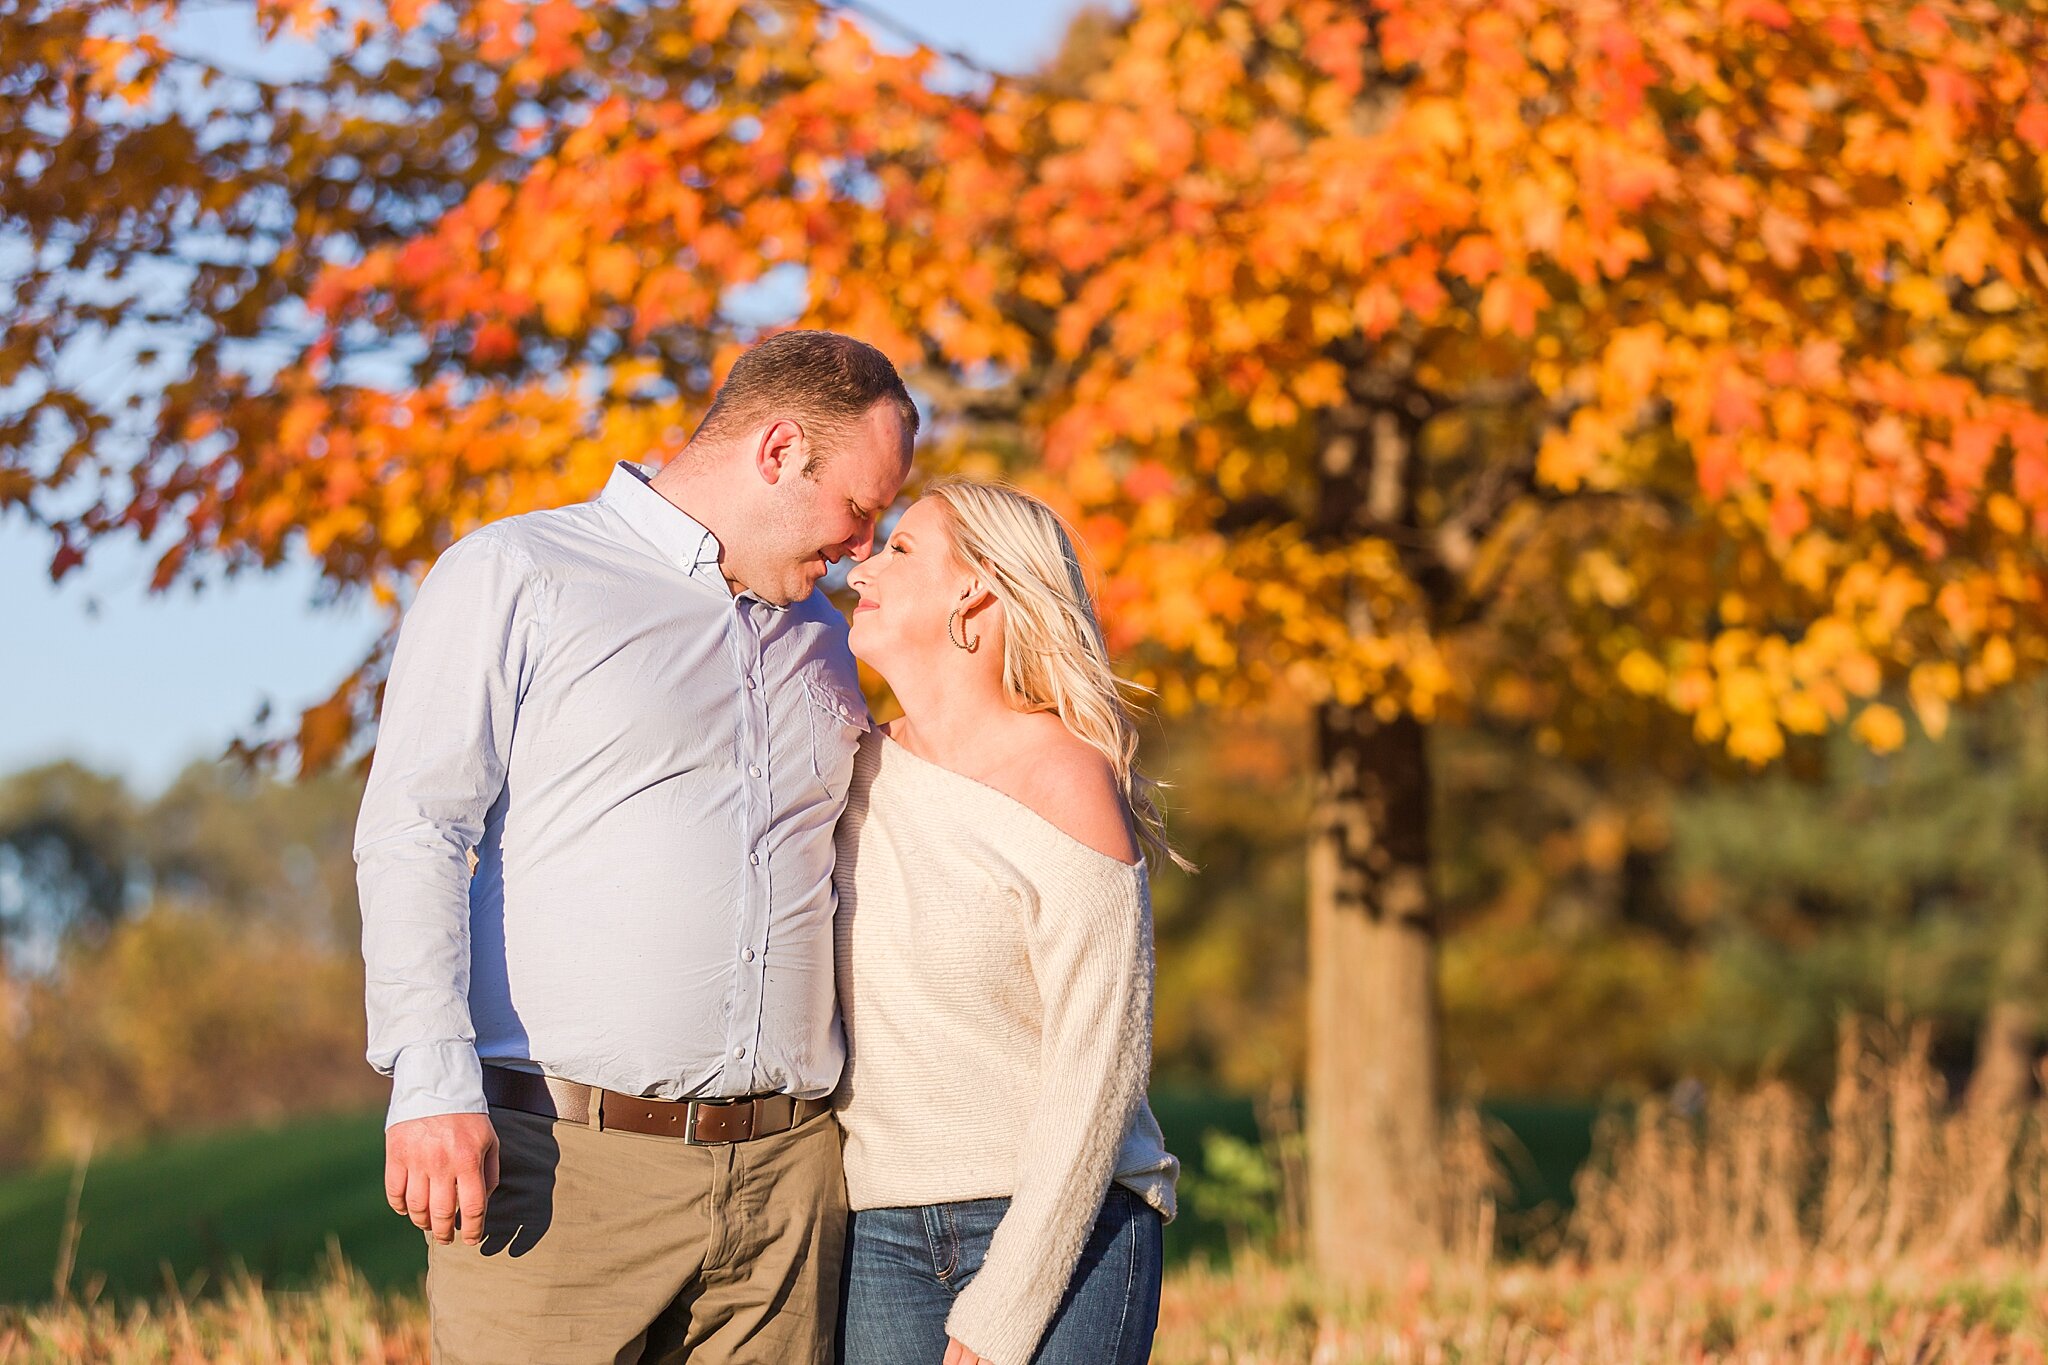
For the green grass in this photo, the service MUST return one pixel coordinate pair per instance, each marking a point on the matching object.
(268, 1199)
(272, 1199)
(1184, 1115)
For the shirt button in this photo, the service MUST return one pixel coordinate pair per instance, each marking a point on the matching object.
(751, 684)
(753, 770)
(748, 955)
(738, 1053)
(754, 858)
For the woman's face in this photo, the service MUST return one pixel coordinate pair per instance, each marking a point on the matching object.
(907, 590)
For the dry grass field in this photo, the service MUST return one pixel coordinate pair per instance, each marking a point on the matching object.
(1892, 1229)
(1257, 1315)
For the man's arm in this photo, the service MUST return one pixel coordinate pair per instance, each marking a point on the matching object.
(465, 654)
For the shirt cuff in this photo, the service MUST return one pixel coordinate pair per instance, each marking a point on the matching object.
(435, 1078)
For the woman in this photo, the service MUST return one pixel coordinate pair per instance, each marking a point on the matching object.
(1007, 1180)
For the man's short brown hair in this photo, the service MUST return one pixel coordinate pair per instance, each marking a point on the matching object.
(825, 380)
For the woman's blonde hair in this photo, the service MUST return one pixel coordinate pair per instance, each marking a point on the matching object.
(1054, 658)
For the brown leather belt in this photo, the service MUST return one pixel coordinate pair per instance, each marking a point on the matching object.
(697, 1122)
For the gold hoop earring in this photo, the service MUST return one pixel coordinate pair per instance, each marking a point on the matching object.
(961, 641)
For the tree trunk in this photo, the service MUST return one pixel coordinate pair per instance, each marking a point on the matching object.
(2003, 1078)
(1372, 1028)
(1372, 1061)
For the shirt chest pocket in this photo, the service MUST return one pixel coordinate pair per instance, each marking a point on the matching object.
(836, 722)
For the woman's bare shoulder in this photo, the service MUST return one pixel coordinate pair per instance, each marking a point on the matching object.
(1071, 784)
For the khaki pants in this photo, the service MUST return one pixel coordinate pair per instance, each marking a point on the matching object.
(613, 1247)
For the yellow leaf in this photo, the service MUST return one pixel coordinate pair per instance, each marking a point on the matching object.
(1756, 741)
(1921, 296)
(628, 376)
(1803, 713)
(561, 294)
(1640, 673)
(1880, 728)
(1932, 686)
(1933, 714)
(401, 525)
(1997, 660)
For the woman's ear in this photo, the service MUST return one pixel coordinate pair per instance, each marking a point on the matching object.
(975, 597)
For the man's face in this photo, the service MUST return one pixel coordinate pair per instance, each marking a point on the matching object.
(820, 518)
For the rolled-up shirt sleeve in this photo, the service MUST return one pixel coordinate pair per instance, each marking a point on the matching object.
(466, 653)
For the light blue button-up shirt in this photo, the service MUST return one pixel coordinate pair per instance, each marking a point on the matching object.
(647, 769)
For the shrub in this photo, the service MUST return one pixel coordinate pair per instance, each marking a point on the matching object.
(178, 1019)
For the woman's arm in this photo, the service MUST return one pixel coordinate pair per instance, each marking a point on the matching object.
(1089, 930)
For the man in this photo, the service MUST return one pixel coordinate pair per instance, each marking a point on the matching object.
(610, 1046)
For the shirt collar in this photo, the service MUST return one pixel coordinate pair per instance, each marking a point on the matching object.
(679, 537)
(676, 534)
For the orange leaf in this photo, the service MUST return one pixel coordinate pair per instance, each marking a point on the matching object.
(1510, 304)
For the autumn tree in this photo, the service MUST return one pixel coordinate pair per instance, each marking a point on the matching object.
(1634, 373)
(484, 251)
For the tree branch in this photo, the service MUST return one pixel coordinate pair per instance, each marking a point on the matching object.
(890, 23)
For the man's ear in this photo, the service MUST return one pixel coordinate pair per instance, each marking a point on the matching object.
(783, 449)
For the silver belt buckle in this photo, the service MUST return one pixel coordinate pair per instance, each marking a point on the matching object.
(690, 1137)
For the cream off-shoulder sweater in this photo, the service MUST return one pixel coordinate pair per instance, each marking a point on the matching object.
(995, 977)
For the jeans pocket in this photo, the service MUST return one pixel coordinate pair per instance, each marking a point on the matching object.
(971, 1225)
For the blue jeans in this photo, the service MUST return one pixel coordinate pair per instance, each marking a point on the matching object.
(903, 1267)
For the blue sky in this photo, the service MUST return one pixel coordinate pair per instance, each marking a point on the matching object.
(98, 670)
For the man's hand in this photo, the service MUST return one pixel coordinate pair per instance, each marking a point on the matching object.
(956, 1354)
(435, 1168)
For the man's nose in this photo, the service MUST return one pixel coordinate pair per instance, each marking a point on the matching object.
(864, 546)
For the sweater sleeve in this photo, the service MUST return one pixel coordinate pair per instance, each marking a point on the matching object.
(1090, 941)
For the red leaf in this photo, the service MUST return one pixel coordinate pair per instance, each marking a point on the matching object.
(2032, 125)
(493, 341)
